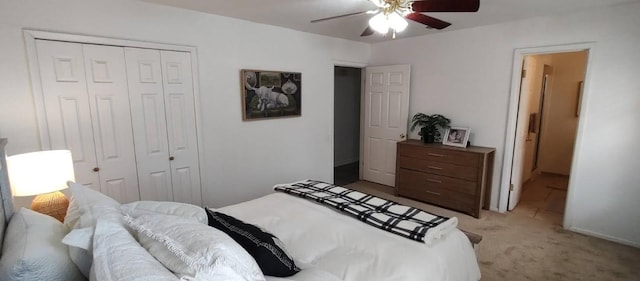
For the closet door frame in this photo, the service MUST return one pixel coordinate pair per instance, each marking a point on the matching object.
(30, 37)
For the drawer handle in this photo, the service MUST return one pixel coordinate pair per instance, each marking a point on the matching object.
(434, 168)
(436, 155)
(434, 193)
(432, 180)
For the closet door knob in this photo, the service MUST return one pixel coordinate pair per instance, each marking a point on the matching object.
(96, 169)
(171, 158)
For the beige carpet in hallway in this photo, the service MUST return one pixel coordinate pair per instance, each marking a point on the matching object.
(522, 246)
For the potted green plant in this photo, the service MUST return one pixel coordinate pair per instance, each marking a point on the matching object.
(430, 125)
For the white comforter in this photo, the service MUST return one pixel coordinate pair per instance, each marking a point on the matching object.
(331, 246)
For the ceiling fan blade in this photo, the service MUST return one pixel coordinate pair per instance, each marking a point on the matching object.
(368, 31)
(445, 6)
(428, 21)
(340, 16)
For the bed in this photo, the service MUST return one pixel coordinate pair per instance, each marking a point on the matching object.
(163, 241)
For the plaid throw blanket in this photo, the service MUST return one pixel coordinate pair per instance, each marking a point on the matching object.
(387, 215)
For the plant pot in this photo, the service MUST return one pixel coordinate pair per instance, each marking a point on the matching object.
(427, 137)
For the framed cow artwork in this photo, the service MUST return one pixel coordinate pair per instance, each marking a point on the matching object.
(270, 94)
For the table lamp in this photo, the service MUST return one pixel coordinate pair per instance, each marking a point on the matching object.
(42, 173)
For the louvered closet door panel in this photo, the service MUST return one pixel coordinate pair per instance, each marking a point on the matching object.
(181, 126)
(149, 123)
(109, 100)
(66, 103)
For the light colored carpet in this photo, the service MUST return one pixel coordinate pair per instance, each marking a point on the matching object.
(556, 204)
(556, 181)
(519, 246)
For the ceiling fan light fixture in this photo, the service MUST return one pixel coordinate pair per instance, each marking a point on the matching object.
(380, 23)
(397, 22)
(393, 15)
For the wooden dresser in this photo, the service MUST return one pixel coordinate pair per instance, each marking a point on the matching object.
(452, 177)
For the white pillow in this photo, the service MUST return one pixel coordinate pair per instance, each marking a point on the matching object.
(119, 257)
(138, 208)
(33, 250)
(85, 206)
(189, 248)
(222, 273)
(78, 238)
(80, 249)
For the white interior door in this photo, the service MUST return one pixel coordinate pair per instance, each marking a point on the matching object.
(181, 126)
(521, 136)
(66, 104)
(109, 101)
(149, 123)
(386, 111)
(517, 178)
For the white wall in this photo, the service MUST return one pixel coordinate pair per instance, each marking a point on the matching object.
(242, 160)
(466, 75)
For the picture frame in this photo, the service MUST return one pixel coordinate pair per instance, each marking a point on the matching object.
(456, 136)
(270, 94)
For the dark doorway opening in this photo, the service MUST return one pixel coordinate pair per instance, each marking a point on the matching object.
(347, 92)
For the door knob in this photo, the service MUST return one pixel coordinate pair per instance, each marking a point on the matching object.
(402, 136)
(96, 169)
(171, 158)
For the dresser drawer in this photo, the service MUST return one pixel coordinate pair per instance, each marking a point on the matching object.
(439, 168)
(414, 178)
(438, 196)
(446, 202)
(457, 178)
(440, 155)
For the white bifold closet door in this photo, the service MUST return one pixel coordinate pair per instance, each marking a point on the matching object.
(87, 110)
(126, 114)
(161, 95)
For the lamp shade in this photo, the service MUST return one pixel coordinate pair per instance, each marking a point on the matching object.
(40, 172)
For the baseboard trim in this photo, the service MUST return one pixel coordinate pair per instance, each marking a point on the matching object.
(605, 237)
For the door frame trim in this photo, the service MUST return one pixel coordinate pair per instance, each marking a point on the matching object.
(512, 115)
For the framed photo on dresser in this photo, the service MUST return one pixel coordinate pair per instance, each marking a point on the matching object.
(456, 136)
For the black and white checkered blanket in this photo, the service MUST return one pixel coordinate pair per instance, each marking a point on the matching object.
(387, 215)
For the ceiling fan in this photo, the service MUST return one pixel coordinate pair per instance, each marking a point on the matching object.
(392, 14)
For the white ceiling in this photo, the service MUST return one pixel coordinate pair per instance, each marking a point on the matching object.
(297, 14)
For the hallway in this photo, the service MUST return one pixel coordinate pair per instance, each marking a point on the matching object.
(544, 198)
(346, 174)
